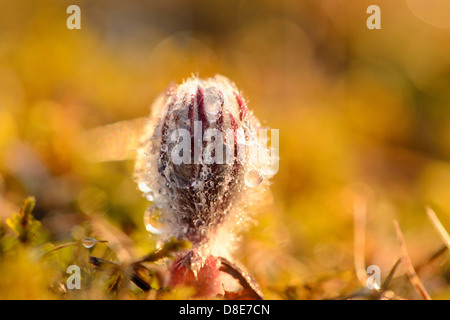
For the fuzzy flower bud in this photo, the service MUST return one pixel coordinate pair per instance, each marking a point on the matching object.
(198, 163)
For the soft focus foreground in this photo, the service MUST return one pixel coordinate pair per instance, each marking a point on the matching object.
(364, 140)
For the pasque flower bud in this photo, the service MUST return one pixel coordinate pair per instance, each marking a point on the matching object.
(198, 163)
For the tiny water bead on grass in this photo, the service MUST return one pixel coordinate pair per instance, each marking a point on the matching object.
(203, 164)
(90, 242)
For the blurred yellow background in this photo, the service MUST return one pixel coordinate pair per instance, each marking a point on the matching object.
(364, 115)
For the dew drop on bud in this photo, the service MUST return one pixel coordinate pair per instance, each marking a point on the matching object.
(146, 190)
(143, 187)
(253, 178)
(153, 220)
(88, 242)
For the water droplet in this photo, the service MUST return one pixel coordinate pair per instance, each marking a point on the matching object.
(252, 178)
(143, 187)
(199, 223)
(88, 242)
(153, 220)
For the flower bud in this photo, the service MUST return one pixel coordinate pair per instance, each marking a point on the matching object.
(198, 163)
